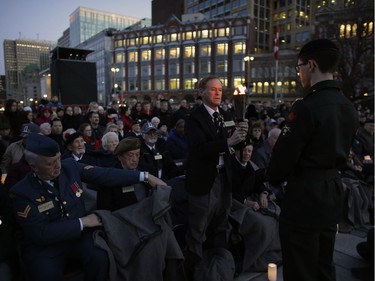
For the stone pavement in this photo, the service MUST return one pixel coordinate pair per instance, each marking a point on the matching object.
(345, 257)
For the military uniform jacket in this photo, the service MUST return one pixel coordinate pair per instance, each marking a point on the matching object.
(204, 145)
(309, 152)
(49, 215)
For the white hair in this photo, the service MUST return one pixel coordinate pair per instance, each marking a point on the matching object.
(106, 137)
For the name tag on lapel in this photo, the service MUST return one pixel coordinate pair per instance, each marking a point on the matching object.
(158, 157)
(229, 123)
(126, 189)
(45, 207)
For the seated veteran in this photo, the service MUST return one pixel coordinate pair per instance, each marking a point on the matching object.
(254, 211)
(50, 210)
(155, 157)
(127, 152)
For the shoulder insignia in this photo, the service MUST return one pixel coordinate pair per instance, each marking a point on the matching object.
(291, 116)
(41, 199)
(285, 130)
(88, 167)
(25, 212)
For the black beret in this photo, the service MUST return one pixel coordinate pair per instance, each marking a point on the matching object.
(70, 135)
(127, 144)
(241, 145)
(42, 145)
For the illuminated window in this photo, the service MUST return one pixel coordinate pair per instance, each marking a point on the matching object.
(146, 40)
(189, 83)
(120, 57)
(159, 39)
(189, 35)
(174, 53)
(342, 30)
(347, 31)
(205, 50)
(146, 55)
(354, 30)
(283, 15)
(173, 37)
(159, 54)
(174, 84)
(159, 84)
(222, 49)
(239, 48)
(205, 33)
(189, 52)
(238, 80)
(132, 41)
(221, 32)
(133, 56)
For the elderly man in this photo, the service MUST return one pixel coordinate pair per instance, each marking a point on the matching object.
(49, 207)
(14, 151)
(128, 153)
(155, 156)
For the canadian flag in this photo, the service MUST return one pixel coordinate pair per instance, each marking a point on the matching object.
(276, 43)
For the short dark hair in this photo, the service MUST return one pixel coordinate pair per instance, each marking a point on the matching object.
(324, 52)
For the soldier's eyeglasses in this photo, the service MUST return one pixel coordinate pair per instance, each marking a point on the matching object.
(297, 67)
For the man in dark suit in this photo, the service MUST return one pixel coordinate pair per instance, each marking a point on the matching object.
(308, 154)
(50, 210)
(208, 172)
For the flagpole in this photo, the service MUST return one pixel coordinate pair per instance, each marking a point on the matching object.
(276, 78)
(276, 55)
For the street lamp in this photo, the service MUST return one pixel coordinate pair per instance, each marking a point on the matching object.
(247, 60)
(114, 70)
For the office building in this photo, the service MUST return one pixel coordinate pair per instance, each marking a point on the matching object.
(87, 22)
(24, 59)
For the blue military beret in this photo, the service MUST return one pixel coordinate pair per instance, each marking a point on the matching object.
(42, 145)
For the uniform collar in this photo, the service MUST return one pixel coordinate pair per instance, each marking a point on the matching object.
(334, 84)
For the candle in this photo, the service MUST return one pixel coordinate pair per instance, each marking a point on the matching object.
(272, 272)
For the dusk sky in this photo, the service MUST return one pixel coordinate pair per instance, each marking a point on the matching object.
(47, 19)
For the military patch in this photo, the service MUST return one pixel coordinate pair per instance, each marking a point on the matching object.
(291, 116)
(25, 212)
(88, 167)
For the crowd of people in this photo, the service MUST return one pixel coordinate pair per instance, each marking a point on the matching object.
(229, 181)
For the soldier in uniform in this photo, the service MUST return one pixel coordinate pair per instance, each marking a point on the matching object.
(49, 208)
(308, 154)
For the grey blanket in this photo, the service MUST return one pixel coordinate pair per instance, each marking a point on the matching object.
(138, 238)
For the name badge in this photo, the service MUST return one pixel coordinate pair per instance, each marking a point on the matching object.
(45, 207)
(158, 157)
(229, 123)
(126, 189)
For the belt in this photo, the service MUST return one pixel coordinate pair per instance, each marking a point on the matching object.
(317, 174)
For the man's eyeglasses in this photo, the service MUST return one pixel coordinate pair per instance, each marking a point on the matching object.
(297, 67)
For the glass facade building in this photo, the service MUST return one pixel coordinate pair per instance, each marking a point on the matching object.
(87, 22)
(24, 59)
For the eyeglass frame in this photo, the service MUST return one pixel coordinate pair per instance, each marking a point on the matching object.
(297, 67)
